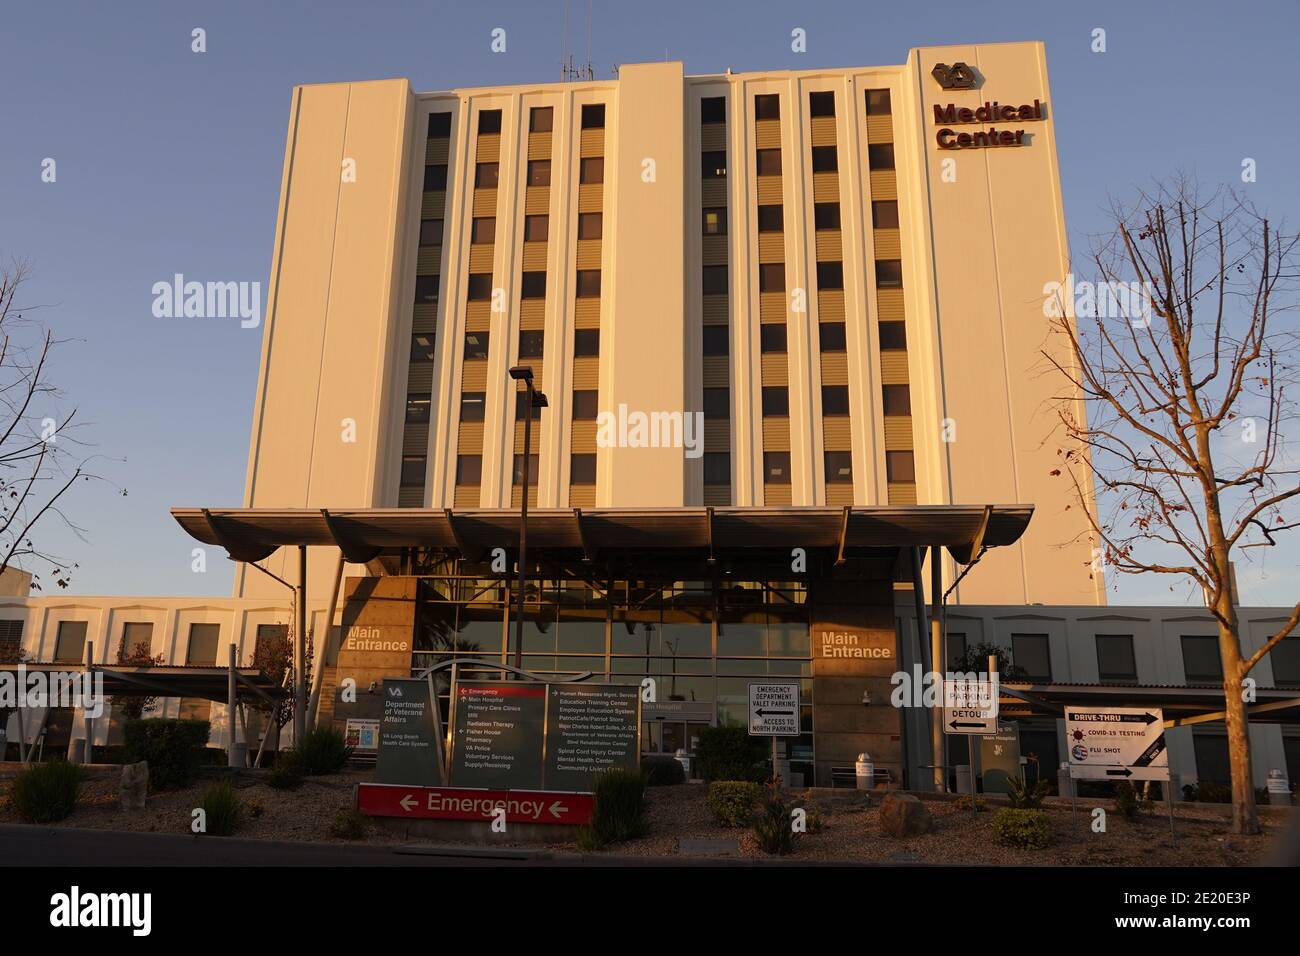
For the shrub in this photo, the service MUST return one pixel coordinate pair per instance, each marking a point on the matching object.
(255, 808)
(350, 825)
(963, 803)
(321, 751)
(1025, 797)
(729, 753)
(221, 810)
(662, 771)
(173, 749)
(1131, 801)
(773, 826)
(285, 774)
(1025, 829)
(1207, 792)
(619, 811)
(732, 801)
(46, 792)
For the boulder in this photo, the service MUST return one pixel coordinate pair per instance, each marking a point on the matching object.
(902, 815)
(134, 786)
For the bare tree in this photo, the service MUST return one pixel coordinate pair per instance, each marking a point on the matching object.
(40, 455)
(1185, 438)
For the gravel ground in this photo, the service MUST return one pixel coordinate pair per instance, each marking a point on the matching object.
(851, 831)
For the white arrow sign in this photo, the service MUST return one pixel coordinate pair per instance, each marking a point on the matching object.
(970, 707)
(409, 803)
(557, 809)
(1117, 743)
(774, 709)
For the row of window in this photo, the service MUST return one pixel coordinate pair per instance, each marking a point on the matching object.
(838, 464)
(202, 649)
(767, 106)
(830, 275)
(831, 337)
(826, 216)
(469, 469)
(541, 119)
(713, 162)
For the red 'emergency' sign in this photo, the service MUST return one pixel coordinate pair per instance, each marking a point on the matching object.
(448, 803)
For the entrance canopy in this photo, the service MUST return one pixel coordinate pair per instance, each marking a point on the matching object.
(1180, 704)
(363, 534)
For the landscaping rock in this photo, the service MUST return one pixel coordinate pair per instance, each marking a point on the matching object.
(902, 815)
(134, 787)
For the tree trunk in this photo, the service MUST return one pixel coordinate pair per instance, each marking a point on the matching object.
(1245, 815)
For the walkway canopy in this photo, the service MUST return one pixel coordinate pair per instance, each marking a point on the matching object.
(364, 534)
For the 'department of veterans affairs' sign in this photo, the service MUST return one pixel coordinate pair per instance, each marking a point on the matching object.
(497, 733)
(590, 728)
(408, 734)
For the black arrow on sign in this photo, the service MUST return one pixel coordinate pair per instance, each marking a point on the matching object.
(1122, 772)
(783, 713)
(1087, 716)
(957, 723)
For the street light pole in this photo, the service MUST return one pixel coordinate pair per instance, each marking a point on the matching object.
(532, 397)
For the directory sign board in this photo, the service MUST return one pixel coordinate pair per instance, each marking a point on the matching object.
(590, 728)
(497, 734)
(410, 750)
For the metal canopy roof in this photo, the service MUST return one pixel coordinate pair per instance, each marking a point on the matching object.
(1183, 704)
(163, 680)
(252, 534)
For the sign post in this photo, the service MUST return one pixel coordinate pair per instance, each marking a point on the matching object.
(774, 712)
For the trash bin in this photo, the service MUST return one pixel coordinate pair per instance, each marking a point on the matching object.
(1279, 790)
(864, 772)
(964, 781)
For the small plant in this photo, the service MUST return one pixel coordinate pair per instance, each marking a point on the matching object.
(1207, 792)
(1024, 829)
(732, 802)
(255, 808)
(286, 774)
(963, 803)
(221, 809)
(350, 825)
(773, 826)
(322, 750)
(729, 753)
(174, 749)
(1130, 801)
(618, 813)
(660, 770)
(816, 821)
(46, 792)
(1025, 797)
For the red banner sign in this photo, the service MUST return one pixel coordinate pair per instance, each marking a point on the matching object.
(449, 803)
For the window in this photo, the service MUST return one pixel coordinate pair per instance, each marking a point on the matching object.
(900, 466)
(776, 467)
(839, 467)
(715, 280)
(771, 218)
(472, 405)
(1031, 653)
(884, 213)
(469, 469)
(956, 650)
(417, 408)
(771, 337)
(426, 290)
(769, 162)
(517, 472)
(830, 337)
(1201, 661)
(586, 342)
(582, 470)
(717, 404)
(1115, 662)
(821, 104)
(489, 121)
(413, 470)
(830, 275)
(539, 172)
(713, 164)
(521, 399)
(70, 644)
(585, 404)
(536, 228)
(713, 109)
(771, 277)
(776, 401)
(476, 345)
(480, 287)
(824, 159)
(897, 400)
(590, 225)
(485, 176)
(826, 215)
(202, 649)
(717, 468)
(835, 400)
(878, 103)
(483, 230)
(422, 347)
(715, 221)
(1285, 658)
(533, 285)
(439, 125)
(135, 634)
(540, 119)
(530, 344)
(880, 156)
(430, 232)
(893, 335)
(715, 340)
(435, 178)
(592, 170)
(889, 273)
(593, 115)
(588, 283)
(1213, 764)
(767, 106)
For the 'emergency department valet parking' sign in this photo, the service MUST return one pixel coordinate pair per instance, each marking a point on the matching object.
(774, 709)
(1117, 743)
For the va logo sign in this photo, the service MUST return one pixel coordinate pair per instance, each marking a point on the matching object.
(959, 76)
(395, 692)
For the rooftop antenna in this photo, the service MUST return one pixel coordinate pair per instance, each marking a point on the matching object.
(570, 71)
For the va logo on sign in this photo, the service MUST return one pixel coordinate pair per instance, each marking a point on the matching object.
(395, 691)
(959, 76)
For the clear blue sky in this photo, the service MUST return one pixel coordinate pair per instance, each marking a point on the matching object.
(169, 161)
